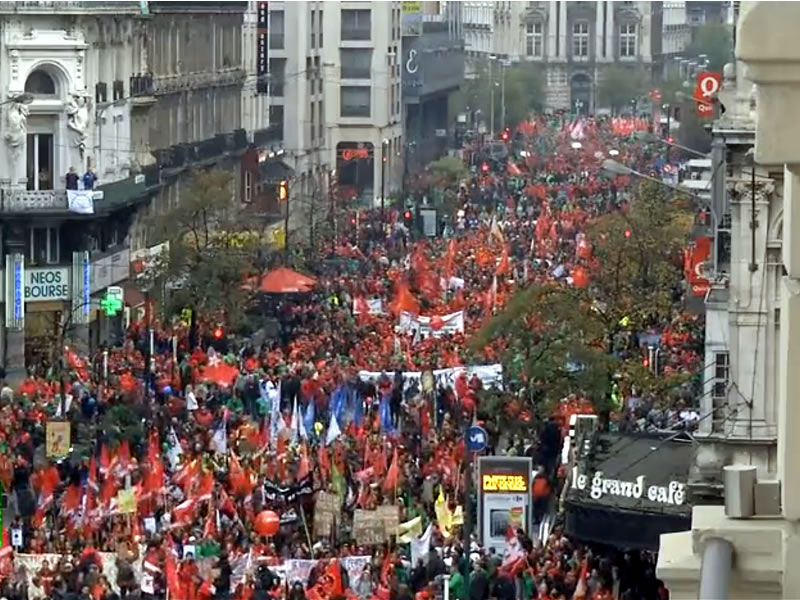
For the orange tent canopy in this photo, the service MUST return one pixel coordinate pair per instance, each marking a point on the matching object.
(285, 281)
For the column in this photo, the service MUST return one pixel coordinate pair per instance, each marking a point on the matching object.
(611, 37)
(598, 29)
(551, 32)
(81, 301)
(562, 30)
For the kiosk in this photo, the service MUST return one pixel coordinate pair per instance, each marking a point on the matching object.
(504, 498)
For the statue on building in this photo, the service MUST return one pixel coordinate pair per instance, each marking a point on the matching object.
(16, 125)
(78, 118)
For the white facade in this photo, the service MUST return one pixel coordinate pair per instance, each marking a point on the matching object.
(573, 41)
(75, 65)
(255, 106)
(336, 79)
(676, 32)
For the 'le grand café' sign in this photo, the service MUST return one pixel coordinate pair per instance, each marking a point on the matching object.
(673, 493)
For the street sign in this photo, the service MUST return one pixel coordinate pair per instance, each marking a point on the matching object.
(477, 439)
(708, 85)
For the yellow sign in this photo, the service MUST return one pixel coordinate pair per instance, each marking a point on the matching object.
(126, 501)
(504, 483)
(57, 439)
(412, 7)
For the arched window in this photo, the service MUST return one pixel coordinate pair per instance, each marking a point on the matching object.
(40, 83)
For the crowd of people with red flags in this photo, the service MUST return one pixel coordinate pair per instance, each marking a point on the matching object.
(324, 460)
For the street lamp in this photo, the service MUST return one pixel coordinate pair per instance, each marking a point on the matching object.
(24, 98)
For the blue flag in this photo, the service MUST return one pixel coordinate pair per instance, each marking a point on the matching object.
(358, 408)
(310, 416)
(386, 415)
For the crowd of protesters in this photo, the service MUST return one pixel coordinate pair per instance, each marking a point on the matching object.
(168, 475)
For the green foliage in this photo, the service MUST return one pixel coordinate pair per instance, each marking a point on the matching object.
(524, 84)
(619, 85)
(447, 172)
(559, 339)
(212, 249)
(121, 423)
(715, 40)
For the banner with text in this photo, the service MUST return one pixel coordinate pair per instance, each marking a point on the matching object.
(435, 326)
(491, 376)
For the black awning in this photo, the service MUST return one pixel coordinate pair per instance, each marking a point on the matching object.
(274, 171)
(622, 529)
(631, 488)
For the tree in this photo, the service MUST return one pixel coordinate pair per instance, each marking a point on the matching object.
(715, 40)
(212, 250)
(524, 85)
(447, 172)
(561, 339)
(619, 85)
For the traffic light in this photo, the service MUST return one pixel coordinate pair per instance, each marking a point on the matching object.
(504, 134)
(283, 191)
(218, 333)
(485, 167)
(627, 233)
(670, 140)
(408, 218)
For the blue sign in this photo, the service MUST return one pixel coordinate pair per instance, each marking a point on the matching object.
(477, 439)
(87, 282)
(19, 287)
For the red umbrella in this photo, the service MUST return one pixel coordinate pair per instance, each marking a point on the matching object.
(286, 281)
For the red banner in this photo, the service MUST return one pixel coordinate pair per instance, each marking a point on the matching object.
(707, 87)
(695, 265)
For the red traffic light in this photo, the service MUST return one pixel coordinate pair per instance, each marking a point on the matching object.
(504, 136)
(646, 363)
(407, 215)
(485, 167)
(670, 140)
(218, 333)
(627, 233)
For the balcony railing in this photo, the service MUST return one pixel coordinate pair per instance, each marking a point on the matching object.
(33, 200)
(355, 34)
(71, 6)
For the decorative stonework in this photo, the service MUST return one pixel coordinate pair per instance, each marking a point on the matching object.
(742, 191)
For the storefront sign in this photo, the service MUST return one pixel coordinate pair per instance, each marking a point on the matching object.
(46, 284)
(110, 270)
(355, 154)
(674, 493)
(504, 483)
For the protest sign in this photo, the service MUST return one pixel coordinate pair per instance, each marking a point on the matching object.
(57, 439)
(368, 527)
(491, 376)
(436, 326)
(326, 509)
(390, 515)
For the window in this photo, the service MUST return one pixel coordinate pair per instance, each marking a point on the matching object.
(627, 40)
(719, 391)
(43, 246)
(356, 24)
(321, 38)
(276, 118)
(313, 121)
(580, 39)
(356, 63)
(276, 30)
(39, 163)
(534, 38)
(321, 113)
(40, 83)
(355, 101)
(277, 68)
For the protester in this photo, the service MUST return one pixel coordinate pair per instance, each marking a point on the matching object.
(203, 479)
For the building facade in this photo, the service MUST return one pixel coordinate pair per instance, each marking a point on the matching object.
(335, 86)
(575, 42)
(70, 178)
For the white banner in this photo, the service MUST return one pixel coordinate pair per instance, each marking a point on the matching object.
(372, 306)
(432, 326)
(32, 564)
(81, 201)
(491, 376)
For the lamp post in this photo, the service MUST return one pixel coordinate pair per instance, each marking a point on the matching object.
(384, 146)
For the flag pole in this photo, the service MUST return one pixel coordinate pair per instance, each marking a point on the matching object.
(305, 526)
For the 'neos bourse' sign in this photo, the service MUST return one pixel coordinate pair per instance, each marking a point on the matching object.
(598, 486)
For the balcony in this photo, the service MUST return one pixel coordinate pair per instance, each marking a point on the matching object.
(272, 135)
(72, 6)
(356, 34)
(33, 201)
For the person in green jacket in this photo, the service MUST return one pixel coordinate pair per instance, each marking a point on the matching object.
(457, 585)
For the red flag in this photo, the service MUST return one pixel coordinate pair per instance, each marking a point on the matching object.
(503, 267)
(239, 479)
(305, 468)
(392, 475)
(404, 300)
(334, 571)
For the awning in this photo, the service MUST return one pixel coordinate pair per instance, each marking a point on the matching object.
(274, 171)
(630, 490)
(286, 281)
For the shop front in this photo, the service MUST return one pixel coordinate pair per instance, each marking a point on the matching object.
(355, 165)
(629, 490)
